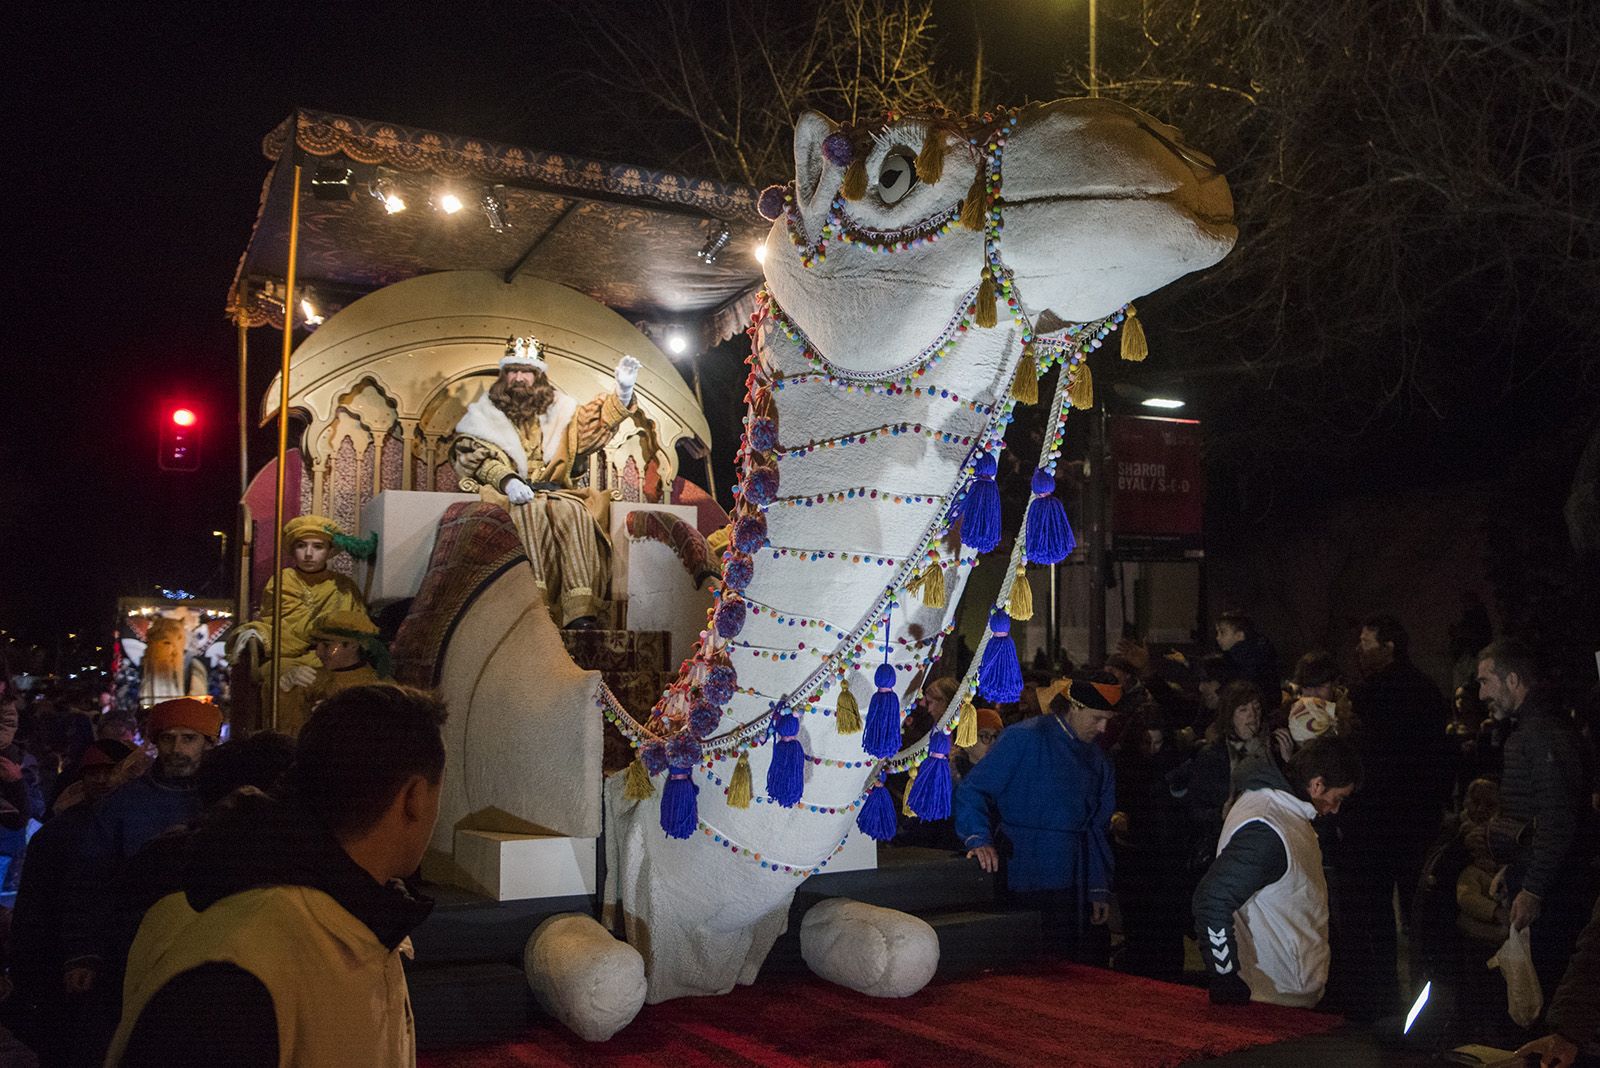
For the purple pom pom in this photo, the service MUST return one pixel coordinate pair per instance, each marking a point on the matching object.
(730, 616)
(837, 149)
(737, 572)
(680, 806)
(930, 794)
(720, 683)
(786, 774)
(1044, 483)
(750, 533)
(654, 757)
(770, 202)
(980, 508)
(876, 818)
(763, 435)
(704, 718)
(683, 751)
(761, 486)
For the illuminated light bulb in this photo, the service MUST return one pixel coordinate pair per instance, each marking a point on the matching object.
(761, 252)
(309, 310)
(394, 204)
(180, 417)
(449, 203)
(676, 344)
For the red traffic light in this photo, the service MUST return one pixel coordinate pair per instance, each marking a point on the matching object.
(179, 447)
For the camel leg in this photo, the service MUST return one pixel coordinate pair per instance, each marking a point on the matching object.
(875, 951)
(582, 976)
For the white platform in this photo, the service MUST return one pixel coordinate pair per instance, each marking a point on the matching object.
(651, 580)
(512, 867)
(405, 522)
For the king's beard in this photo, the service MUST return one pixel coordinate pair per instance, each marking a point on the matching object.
(523, 403)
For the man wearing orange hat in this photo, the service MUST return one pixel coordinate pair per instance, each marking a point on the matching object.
(162, 798)
(1055, 791)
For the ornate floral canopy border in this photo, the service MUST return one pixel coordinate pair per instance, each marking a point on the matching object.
(627, 233)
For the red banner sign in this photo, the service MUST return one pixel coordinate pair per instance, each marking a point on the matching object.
(1158, 488)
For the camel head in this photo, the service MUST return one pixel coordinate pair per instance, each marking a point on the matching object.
(1096, 204)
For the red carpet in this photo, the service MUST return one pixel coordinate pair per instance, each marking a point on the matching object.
(1066, 1015)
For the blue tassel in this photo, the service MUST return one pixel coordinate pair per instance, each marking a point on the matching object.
(876, 818)
(786, 775)
(1000, 676)
(930, 794)
(980, 508)
(882, 736)
(1049, 537)
(680, 809)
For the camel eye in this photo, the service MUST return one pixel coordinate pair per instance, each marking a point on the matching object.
(896, 175)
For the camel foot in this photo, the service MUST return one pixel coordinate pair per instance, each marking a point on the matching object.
(584, 977)
(875, 951)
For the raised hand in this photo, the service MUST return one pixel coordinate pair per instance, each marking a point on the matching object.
(627, 375)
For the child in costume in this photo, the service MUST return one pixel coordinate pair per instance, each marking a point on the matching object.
(310, 591)
(351, 653)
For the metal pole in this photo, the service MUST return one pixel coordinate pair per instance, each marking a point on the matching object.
(283, 451)
(241, 585)
(711, 478)
(1094, 48)
(1096, 488)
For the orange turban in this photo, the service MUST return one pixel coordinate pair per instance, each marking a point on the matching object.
(186, 714)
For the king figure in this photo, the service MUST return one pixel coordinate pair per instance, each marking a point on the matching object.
(526, 445)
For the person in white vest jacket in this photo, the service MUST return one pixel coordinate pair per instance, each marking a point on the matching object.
(1261, 912)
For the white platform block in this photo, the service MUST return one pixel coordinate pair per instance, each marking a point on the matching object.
(648, 575)
(406, 522)
(860, 853)
(514, 867)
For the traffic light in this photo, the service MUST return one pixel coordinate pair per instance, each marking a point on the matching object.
(180, 440)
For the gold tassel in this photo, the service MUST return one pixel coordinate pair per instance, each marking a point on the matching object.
(1019, 606)
(905, 802)
(930, 161)
(930, 584)
(975, 208)
(1081, 391)
(967, 728)
(986, 310)
(855, 181)
(739, 785)
(847, 714)
(1134, 345)
(637, 786)
(1025, 386)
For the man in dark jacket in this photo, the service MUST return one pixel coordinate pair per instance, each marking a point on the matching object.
(37, 955)
(293, 913)
(1545, 817)
(1384, 834)
(162, 798)
(1261, 911)
(1250, 655)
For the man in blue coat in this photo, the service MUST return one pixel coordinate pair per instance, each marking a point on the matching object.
(1054, 791)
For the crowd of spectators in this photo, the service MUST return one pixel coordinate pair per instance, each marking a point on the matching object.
(1455, 821)
(1309, 837)
(158, 867)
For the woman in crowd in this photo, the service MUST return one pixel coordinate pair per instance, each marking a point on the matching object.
(1204, 785)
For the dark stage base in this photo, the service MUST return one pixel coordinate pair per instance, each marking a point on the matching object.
(468, 988)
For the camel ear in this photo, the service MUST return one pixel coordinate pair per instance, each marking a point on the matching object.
(809, 165)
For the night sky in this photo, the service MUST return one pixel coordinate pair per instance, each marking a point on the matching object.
(135, 152)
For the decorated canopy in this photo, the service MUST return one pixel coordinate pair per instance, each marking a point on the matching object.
(624, 235)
